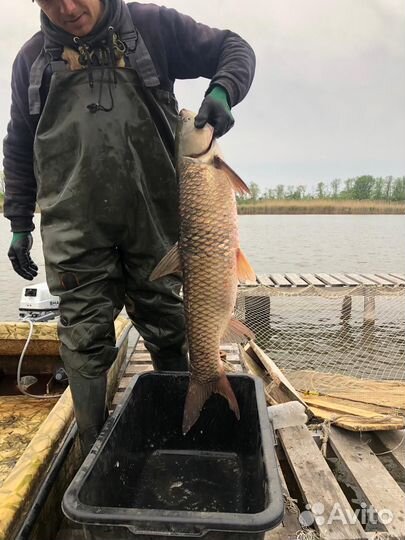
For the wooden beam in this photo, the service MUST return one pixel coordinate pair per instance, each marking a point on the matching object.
(379, 489)
(345, 280)
(277, 375)
(377, 279)
(265, 280)
(399, 276)
(328, 279)
(361, 279)
(388, 277)
(280, 280)
(296, 280)
(317, 484)
(369, 308)
(312, 280)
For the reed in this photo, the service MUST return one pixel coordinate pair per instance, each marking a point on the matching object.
(321, 206)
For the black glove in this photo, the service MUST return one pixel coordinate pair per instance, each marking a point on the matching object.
(19, 255)
(216, 111)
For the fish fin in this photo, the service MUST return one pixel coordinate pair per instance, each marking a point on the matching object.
(237, 332)
(244, 270)
(198, 394)
(170, 264)
(237, 183)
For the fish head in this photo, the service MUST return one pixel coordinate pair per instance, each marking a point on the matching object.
(192, 142)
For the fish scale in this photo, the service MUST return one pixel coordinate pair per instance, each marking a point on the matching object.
(208, 244)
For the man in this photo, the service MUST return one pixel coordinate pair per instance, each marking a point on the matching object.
(91, 140)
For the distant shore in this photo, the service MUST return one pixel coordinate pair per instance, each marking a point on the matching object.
(323, 206)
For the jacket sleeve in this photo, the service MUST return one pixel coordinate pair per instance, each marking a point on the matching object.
(196, 50)
(20, 183)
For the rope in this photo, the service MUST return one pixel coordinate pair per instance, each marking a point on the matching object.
(392, 449)
(325, 436)
(291, 505)
(307, 534)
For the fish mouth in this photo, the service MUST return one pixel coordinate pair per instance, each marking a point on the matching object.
(193, 143)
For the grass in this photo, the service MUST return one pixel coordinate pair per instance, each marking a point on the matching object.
(323, 206)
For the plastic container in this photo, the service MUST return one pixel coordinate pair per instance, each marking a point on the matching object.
(144, 480)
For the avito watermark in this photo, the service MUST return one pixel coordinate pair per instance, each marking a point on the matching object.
(316, 513)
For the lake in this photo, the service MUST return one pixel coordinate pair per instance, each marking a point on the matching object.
(272, 243)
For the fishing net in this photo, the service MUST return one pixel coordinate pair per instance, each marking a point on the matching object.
(347, 342)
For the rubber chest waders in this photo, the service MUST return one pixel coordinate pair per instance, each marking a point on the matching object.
(107, 192)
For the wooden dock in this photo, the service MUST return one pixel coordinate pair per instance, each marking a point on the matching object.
(350, 279)
(312, 490)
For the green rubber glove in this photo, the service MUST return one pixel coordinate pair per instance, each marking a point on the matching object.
(19, 255)
(215, 110)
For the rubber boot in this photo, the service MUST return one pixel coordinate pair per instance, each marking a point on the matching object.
(172, 358)
(89, 401)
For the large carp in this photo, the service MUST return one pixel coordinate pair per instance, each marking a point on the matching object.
(209, 256)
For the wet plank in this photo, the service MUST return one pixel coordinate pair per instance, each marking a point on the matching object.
(265, 280)
(345, 279)
(317, 483)
(328, 279)
(280, 280)
(398, 276)
(312, 280)
(377, 485)
(377, 279)
(296, 280)
(361, 279)
(391, 278)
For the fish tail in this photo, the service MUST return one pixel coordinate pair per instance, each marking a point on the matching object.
(198, 394)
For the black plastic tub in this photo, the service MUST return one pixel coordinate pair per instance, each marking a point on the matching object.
(144, 480)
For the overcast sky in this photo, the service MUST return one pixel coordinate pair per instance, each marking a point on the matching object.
(328, 99)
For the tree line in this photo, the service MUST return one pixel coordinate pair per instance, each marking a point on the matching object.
(364, 187)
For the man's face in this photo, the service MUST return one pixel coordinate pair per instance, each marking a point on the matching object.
(77, 17)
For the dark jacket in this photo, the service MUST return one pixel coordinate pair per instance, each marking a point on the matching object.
(180, 49)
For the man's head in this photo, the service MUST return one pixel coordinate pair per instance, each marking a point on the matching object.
(77, 17)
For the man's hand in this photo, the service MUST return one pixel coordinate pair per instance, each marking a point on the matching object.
(216, 111)
(19, 255)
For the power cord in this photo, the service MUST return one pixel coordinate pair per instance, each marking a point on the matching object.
(20, 361)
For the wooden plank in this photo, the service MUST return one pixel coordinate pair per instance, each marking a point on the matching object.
(296, 280)
(377, 279)
(312, 280)
(361, 279)
(280, 280)
(345, 279)
(317, 483)
(379, 489)
(265, 280)
(328, 279)
(394, 442)
(388, 277)
(398, 276)
(276, 374)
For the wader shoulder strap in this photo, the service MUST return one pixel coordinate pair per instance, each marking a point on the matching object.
(49, 56)
(141, 62)
(138, 55)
